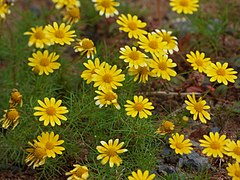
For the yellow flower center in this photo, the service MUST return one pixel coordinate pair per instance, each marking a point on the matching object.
(111, 152)
(132, 26)
(215, 145)
(221, 72)
(168, 126)
(237, 173)
(87, 44)
(143, 70)
(199, 62)
(50, 110)
(80, 171)
(12, 115)
(153, 44)
(39, 153)
(138, 106)
(198, 107)
(49, 145)
(107, 78)
(184, 3)
(236, 150)
(134, 55)
(179, 145)
(162, 66)
(106, 3)
(39, 35)
(44, 62)
(166, 38)
(59, 34)
(110, 96)
(74, 12)
(16, 96)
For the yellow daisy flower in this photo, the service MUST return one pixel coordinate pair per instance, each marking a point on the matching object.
(60, 34)
(153, 43)
(106, 7)
(172, 44)
(180, 145)
(132, 25)
(109, 152)
(198, 108)
(139, 175)
(108, 77)
(140, 106)
(66, 3)
(4, 9)
(198, 61)
(184, 6)
(162, 67)
(50, 143)
(106, 97)
(71, 15)
(11, 117)
(214, 144)
(44, 62)
(86, 45)
(233, 149)
(221, 73)
(165, 128)
(134, 57)
(234, 171)
(37, 155)
(140, 73)
(78, 173)
(15, 98)
(39, 37)
(51, 111)
(91, 67)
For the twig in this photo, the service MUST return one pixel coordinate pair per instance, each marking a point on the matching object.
(170, 93)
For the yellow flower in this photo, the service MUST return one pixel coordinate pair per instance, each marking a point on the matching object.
(139, 175)
(60, 34)
(44, 62)
(214, 144)
(50, 143)
(221, 73)
(172, 44)
(78, 173)
(37, 155)
(162, 67)
(107, 7)
(132, 25)
(51, 111)
(233, 149)
(140, 106)
(39, 37)
(91, 66)
(180, 145)
(185, 118)
(66, 3)
(11, 117)
(15, 98)
(234, 171)
(134, 57)
(153, 43)
(140, 73)
(198, 108)
(85, 45)
(4, 9)
(108, 77)
(109, 152)
(166, 127)
(184, 6)
(71, 15)
(106, 97)
(198, 61)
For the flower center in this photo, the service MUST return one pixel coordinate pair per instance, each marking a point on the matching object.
(236, 150)
(107, 78)
(237, 173)
(166, 38)
(110, 96)
(132, 26)
(153, 44)
(162, 66)
(39, 153)
(50, 110)
(106, 3)
(168, 126)
(198, 107)
(80, 171)
(184, 3)
(138, 106)
(44, 62)
(221, 72)
(179, 145)
(143, 70)
(49, 145)
(134, 55)
(111, 152)
(16, 96)
(59, 34)
(215, 145)
(74, 13)
(199, 62)
(39, 35)
(12, 115)
(87, 44)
